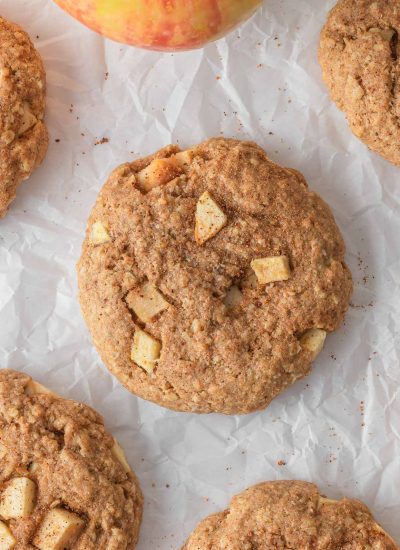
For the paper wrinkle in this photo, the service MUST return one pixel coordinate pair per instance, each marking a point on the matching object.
(263, 83)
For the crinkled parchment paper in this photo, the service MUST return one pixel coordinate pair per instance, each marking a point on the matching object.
(341, 426)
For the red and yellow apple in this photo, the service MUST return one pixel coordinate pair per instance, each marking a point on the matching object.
(167, 25)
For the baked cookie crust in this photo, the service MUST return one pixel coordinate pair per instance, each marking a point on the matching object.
(64, 481)
(209, 278)
(360, 59)
(23, 134)
(283, 515)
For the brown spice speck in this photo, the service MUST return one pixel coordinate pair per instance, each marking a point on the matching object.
(101, 141)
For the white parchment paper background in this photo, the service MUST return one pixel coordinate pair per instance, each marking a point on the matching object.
(263, 83)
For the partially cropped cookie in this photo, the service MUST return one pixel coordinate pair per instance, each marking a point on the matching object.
(282, 515)
(64, 481)
(209, 278)
(23, 134)
(360, 59)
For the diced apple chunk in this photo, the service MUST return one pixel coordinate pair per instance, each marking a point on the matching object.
(233, 297)
(146, 302)
(99, 234)
(33, 466)
(58, 529)
(145, 350)
(28, 119)
(210, 219)
(184, 158)
(33, 388)
(271, 270)
(18, 498)
(158, 172)
(313, 341)
(119, 454)
(7, 541)
(324, 500)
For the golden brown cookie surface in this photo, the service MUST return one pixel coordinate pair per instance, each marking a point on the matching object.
(23, 134)
(286, 515)
(209, 278)
(64, 481)
(360, 59)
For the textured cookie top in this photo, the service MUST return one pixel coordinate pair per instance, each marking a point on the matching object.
(285, 515)
(64, 481)
(23, 135)
(209, 278)
(359, 55)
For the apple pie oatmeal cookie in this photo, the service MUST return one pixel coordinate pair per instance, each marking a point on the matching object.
(360, 60)
(23, 134)
(283, 515)
(210, 277)
(64, 481)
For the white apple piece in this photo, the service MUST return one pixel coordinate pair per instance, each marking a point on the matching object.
(146, 302)
(99, 234)
(118, 453)
(158, 172)
(58, 529)
(210, 219)
(272, 269)
(28, 119)
(313, 341)
(145, 350)
(184, 158)
(18, 498)
(324, 500)
(7, 541)
(33, 466)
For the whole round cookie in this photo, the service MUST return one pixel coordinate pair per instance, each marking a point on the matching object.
(360, 59)
(23, 134)
(64, 481)
(279, 515)
(210, 277)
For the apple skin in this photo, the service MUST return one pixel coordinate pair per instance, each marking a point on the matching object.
(165, 25)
